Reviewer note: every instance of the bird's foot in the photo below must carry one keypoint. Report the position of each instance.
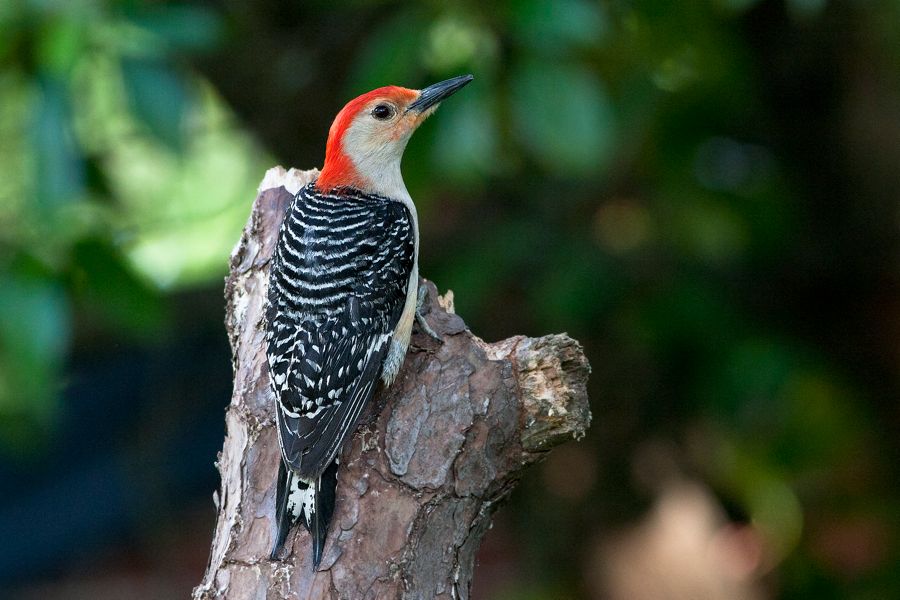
(424, 327)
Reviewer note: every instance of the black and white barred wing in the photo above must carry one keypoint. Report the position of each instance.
(330, 378)
(337, 292)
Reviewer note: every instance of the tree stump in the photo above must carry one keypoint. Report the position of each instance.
(432, 459)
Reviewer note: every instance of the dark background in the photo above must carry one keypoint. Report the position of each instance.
(705, 194)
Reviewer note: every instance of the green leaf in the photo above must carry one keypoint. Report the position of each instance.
(454, 43)
(58, 160)
(159, 97)
(559, 24)
(390, 54)
(35, 319)
(573, 298)
(183, 27)
(564, 117)
(59, 44)
(34, 336)
(465, 146)
(108, 289)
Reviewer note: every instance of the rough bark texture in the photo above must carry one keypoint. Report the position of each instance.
(419, 481)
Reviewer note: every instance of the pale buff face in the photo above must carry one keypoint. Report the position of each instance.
(376, 139)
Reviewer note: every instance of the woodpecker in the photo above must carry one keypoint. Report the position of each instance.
(343, 295)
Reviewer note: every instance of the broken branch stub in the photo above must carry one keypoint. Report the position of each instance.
(431, 460)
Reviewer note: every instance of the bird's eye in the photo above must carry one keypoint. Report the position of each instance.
(382, 112)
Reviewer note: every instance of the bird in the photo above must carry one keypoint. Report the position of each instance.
(343, 296)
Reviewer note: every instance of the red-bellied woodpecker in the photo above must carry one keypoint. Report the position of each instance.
(343, 295)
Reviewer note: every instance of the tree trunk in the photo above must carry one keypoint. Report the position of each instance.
(431, 461)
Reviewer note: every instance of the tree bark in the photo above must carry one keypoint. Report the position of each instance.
(432, 459)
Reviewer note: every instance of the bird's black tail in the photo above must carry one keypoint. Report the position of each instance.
(283, 516)
(309, 500)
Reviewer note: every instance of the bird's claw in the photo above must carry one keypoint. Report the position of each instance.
(424, 327)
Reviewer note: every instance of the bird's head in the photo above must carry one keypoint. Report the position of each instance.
(367, 139)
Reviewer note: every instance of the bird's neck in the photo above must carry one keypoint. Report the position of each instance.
(357, 160)
(386, 181)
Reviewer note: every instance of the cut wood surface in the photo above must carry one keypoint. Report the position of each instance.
(432, 459)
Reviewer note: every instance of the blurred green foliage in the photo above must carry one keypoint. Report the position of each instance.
(122, 175)
(666, 181)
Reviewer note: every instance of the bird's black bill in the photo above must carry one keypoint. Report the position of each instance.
(437, 92)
